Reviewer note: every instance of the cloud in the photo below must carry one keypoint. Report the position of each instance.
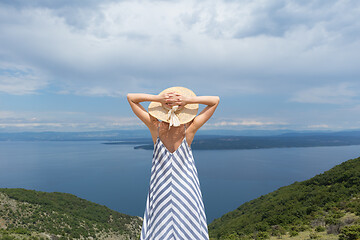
(317, 126)
(257, 52)
(61, 126)
(248, 122)
(334, 94)
(82, 121)
(20, 80)
(93, 48)
(63, 121)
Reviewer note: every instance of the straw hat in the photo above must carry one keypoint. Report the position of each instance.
(172, 115)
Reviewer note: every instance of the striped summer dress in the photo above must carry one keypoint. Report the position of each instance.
(174, 206)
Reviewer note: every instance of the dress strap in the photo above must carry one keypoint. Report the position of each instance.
(185, 129)
(158, 129)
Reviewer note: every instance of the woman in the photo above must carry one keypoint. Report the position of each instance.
(174, 206)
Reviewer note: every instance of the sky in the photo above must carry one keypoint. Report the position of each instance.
(68, 65)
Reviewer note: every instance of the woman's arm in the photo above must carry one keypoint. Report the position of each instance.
(211, 101)
(134, 100)
(207, 100)
(173, 98)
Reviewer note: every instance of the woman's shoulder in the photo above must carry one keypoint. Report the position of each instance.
(154, 121)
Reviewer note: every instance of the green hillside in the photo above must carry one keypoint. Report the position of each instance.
(326, 206)
(30, 214)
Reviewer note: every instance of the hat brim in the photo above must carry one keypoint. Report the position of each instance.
(185, 114)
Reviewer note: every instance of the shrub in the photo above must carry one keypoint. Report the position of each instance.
(293, 233)
(333, 229)
(320, 229)
(277, 230)
(262, 235)
(350, 232)
(314, 235)
(7, 237)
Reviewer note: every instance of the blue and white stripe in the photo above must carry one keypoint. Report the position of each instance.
(174, 206)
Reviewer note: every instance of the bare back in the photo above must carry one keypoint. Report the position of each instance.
(173, 137)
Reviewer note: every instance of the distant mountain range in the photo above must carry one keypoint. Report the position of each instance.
(118, 135)
(204, 140)
(257, 142)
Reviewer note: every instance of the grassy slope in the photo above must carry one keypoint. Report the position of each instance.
(62, 214)
(301, 206)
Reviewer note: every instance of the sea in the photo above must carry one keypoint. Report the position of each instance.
(118, 176)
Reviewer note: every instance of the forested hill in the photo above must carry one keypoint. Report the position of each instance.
(30, 214)
(326, 205)
(257, 142)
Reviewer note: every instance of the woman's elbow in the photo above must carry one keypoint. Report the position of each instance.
(129, 96)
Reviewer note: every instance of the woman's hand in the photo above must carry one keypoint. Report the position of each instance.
(172, 98)
(180, 100)
(167, 99)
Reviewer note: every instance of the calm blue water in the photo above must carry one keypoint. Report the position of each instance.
(118, 176)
